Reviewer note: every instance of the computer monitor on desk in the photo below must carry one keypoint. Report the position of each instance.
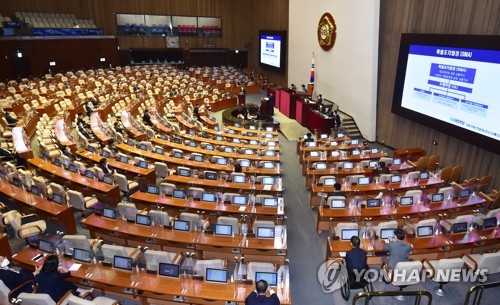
(168, 270)
(46, 246)
(395, 179)
(406, 201)
(181, 225)
(373, 203)
(337, 203)
(438, 197)
(208, 197)
(387, 233)
(239, 200)
(144, 220)
(177, 193)
(122, 263)
(459, 227)
(346, 234)
(270, 277)
(348, 165)
(265, 232)
(35, 190)
(82, 255)
(153, 189)
(464, 194)
(223, 230)
(329, 182)
(424, 231)
(270, 202)
(490, 222)
(58, 199)
(216, 275)
(109, 213)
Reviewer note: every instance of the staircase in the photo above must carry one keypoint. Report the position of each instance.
(349, 126)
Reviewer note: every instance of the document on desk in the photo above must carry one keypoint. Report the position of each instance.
(241, 209)
(75, 267)
(267, 187)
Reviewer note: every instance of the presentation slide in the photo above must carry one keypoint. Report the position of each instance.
(455, 85)
(270, 50)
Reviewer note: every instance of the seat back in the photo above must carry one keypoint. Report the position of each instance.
(4, 294)
(416, 194)
(195, 192)
(254, 267)
(76, 241)
(36, 299)
(122, 182)
(160, 218)
(456, 172)
(407, 273)
(154, 257)
(232, 221)
(447, 191)
(393, 224)
(127, 209)
(446, 174)
(444, 266)
(201, 266)
(109, 251)
(194, 219)
(167, 188)
(74, 300)
(161, 169)
(76, 200)
(489, 262)
(262, 224)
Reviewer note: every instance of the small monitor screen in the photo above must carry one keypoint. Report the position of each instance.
(239, 200)
(181, 225)
(395, 179)
(209, 147)
(219, 138)
(337, 203)
(107, 179)
(424, 231)
(340, 135)
(355, 141)
(106, 154)
(438, 197)
(245, 163)
(82, 255)
(251, 127)
(130, 142)
(323, 136)
(254, 142)
(177, 140)
(143, 164)
(270, 153)
(406, 201)
(176, 193)
(163, 136)
(269, 129)
(314, 154)
(221, 161)
(230, 131)
(373, 164)
(123, 159)
(191, 132)
(89, 174)
(153, 189)
(270, 202)
(198, 158)
(16, 181)
(268, 180)
(334, 143)
(396, 162)
(373, 203)
(216, 128)
(144, 220)
(363, 180)
(122, 262)
(268, 135)
(237, 125)
(228, 150)
(211, 175)
(143, 147)
(348, 233)
(193, 144)
(46, 246)
(490, 222)
(335, 153)
(208, 197)
(91, 148)
(311, 144)
(270, 277)
(72, 168)
(57, 162)
(159, 150)
(216, 275)
(386, 233)
(35, 190)
(459, 227)
(374, 151)
(424, 176)
(465, 193)
(248, 151)
(236, 140)
(109, 213)
(178, 155)
(348, 165)
(225, 230)
(185, 172)
(329, 182)
(263, 232)
(321, 166)
(268, 165)
(168, 270)
(239, 179)
(271, 144)
(356, 152)
(57, 198)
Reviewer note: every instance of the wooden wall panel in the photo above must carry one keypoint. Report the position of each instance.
(431, 16)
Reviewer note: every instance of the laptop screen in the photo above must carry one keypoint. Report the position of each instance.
(348, 165)
(424, 231)
(46, 246)
(264, 232)
(373, 203)
(143, 164)
(144, 220)
(270, 277)
(177, 193)
(335, 153)
(314, 154)
(216, 275)
(72, 168)
(320, 166)
(153, 189)
(57, 198)
(270, 153)
(123, 159)
(386, 233)
(459, 227)
(329, 182)
(424, 176)
(221, 161)
(438, 197)
(248, 151)
(225, 230)
(239, 179)
(465, 193)
(208, 197)
(168, 270)
(159, 150)
(82, 255)
(490, 222)
(211, 176)
(109, 213)
(181, 225)
(396, 162)
(337, 203)
(178, 155)
(395, 179)
(406, 201)
(373, 164)
(268, 180)
(364, 181)
(348, 233)
(374, 151)
(184, 172)
(239, 200)
(35, 190)
(354, 141)
(122, 262)
(270, 202)
(245, 163)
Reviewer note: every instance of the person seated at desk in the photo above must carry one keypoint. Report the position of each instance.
(84, 132)
(88, 109)
(196, 112)
(79, 119)
(94, 102)
(51, 279)
(259, 295)
(237, 168)
(356, 257)
(399, 251)
(293, 88)
(319, 100)
(304, 88)
(10, 120)
(381, 169)
(104, 165)
(308, 138)
(146, 118)
(13, 279)
(67, 152)
(337, 190)
(118, 128)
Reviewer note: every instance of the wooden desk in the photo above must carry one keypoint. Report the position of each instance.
(207, 245)
(433, 247)
(97, 128)
(174, 162)
(309, 161)
(104, 192)
(387, 212)
(150, 288)
(143, 175)
(411, 154)
(256, 131)
(174, 205)
(239, 136)
(5, 246)
(206, 152)
(322, 141)
(21, 143)
(305, 151)
(46, 209)
(63, 134)
(127, 123)
(374, 188)
(225, 185)
(156, 121)
(218, 143)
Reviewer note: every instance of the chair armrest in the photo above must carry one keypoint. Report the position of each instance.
(88, 294)
(457, 186)
(31, 282)
(30, 215)
(469, 262)
(22, 229)
(390, 270)
(411, 163)
(428, 268)
(177, 258)
(64, 298)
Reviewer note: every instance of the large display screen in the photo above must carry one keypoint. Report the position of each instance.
(450, 83)
(272, 49)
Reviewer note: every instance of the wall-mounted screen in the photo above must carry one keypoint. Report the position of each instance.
(272, 49)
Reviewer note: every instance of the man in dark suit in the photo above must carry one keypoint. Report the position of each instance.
(398, 250)
(13, 279)
(337, 119)
(356, 257)
(337, 190)
(308, 138)
(146, 118)
(319, 100)
(259, 297)
(88, 109)
(381, 169)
